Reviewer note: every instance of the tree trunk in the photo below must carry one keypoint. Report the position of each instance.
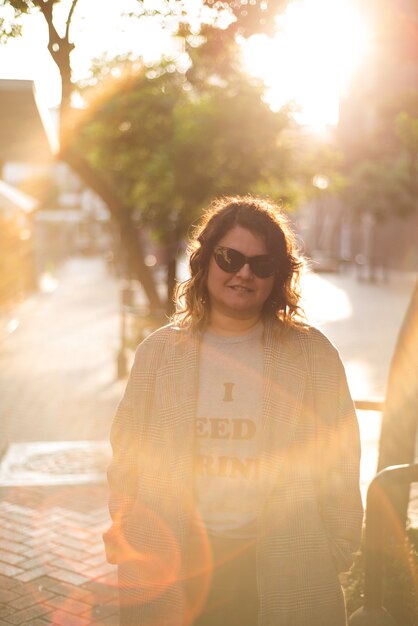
(400, 416)
(127, 229)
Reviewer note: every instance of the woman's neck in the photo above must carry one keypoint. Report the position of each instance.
(228, 326)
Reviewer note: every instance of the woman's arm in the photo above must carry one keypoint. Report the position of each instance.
(127, 437)
(340, 497)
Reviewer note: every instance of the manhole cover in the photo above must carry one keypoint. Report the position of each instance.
(55, 462)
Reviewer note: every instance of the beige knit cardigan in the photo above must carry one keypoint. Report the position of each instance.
(310, 522)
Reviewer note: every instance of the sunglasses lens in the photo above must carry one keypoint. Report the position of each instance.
(262, 266)
(230, 260)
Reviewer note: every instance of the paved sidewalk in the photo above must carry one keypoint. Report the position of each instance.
(52, 564)
(363, 320)
(58, 368)
(58, 386)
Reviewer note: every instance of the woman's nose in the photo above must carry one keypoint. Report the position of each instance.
(244, 271)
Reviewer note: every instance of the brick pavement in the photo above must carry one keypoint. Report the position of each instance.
(52, 563)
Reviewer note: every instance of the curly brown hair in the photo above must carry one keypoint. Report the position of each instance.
(261, 217)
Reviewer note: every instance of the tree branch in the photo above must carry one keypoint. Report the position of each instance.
(46, 10)
(59, 47)
(69, 18)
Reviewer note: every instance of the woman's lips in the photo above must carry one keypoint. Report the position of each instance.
(241, 288)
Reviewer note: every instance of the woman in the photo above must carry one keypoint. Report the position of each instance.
(234, 485)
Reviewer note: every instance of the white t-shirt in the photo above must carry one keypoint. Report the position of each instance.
(227, 432)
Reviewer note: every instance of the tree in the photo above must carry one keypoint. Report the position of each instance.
(60, 48)
(188, 140)
(243, 17)
(383, 180)
(382, 187)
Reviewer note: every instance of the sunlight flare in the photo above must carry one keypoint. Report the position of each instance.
(310, 61)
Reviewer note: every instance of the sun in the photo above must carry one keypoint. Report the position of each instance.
(317, 48)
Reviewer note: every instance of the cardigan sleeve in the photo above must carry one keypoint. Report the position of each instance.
(340, 498)
(128, 433)
(124, 438)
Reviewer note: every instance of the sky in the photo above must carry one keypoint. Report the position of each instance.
(318, 46)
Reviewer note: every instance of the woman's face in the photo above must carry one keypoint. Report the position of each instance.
(241, 294)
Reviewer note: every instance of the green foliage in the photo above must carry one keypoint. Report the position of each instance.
(10, 25)
(394, 116)
(8, 30)
(11, 12)
(247, 16)
(168, 142)
(323, 160)
(400, 590)
(406, 127)
(381, 187)
(384, 180)
(169, 145)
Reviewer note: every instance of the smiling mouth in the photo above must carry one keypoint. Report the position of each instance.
(241, 288)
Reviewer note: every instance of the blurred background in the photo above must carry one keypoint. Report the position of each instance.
(120, 121)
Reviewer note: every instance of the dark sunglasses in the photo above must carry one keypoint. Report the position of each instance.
(230, 260)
